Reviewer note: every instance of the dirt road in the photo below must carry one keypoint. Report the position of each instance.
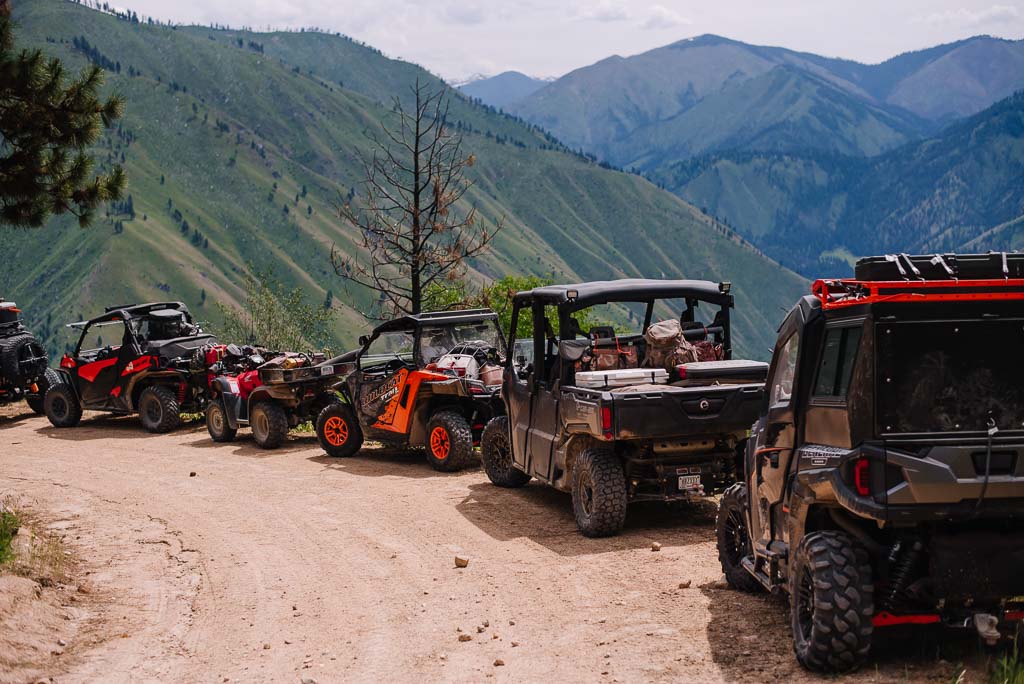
(283, 565)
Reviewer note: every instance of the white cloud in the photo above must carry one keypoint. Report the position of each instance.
(466, 13)
(605, 10)
(966, 17)
(661, 17)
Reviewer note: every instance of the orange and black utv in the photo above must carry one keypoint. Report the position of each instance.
(427, 380)
(155, 367)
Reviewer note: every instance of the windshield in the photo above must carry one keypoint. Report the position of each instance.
(436, 341)
(387, 347)
(950, 376)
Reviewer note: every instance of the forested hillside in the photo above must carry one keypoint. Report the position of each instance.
(239, 147)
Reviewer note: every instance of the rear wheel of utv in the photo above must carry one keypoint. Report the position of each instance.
(49, 379)
(61, 405)
(734, 539)
(449, 442)
(496, 454)
(159, 410)
(338, 431)
(269, 424)
(831, 602)
(599, 493)
(217, 422)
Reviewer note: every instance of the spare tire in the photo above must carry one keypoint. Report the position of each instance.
(22, 358)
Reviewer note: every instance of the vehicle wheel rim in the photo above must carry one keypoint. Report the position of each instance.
(587, 497)
(59, 407)
(217, 419)
(261, 426)
(502, 452)
(153, 411)
(440, 445)
(736, 538)
(805, 604)
(336, 431)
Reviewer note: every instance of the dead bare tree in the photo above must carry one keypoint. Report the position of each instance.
(413, 229)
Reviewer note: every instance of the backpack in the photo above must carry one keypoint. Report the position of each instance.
(666, 346)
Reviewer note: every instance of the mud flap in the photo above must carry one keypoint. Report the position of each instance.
(235, 409)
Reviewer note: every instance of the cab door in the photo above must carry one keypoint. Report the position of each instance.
(777, 438)
(98, 376)
(544, 398)
(517, 390)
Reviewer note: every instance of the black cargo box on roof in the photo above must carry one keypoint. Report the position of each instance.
(991, 266)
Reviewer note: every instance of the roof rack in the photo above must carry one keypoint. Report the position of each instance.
(837, 294)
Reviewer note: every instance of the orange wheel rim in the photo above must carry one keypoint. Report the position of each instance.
(336, 431)
(440, 445)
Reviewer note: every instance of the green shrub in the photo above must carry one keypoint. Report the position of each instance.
(9, 524)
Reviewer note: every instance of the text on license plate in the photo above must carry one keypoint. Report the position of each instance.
(689, 481)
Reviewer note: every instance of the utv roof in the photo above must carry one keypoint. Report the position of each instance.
(436, 318)
(627, 290)
(123, 313)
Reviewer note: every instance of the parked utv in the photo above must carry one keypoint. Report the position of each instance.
(657, 413)
(23, 363)
(269, 392)
(884, 481)
(156, 369)
(425, 380)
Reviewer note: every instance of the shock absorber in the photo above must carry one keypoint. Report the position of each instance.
(901, 563)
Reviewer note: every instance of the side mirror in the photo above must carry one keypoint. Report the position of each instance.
(363, 340)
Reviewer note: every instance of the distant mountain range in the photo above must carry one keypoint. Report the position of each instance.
(239, 146)
(501, 90)
(775, 142)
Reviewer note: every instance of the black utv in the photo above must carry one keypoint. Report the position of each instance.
(155, 367)
(645, 404)
(884, 481)
(23, 363)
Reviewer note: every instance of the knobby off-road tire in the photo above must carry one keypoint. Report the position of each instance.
(15, 352)
(49, 379)
(269, 424)
(496, 454)
(599, 493)
(734, 539)
(159, 410)
(338, 431)
(217, 422)
(61, 405)
(449, 442)
(831, 602)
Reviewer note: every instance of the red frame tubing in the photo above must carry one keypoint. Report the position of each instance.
(836, 294)
(886, 619)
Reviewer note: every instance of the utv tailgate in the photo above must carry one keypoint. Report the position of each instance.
(662, 412)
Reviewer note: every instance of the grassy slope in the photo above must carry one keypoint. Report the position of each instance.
(563, 215)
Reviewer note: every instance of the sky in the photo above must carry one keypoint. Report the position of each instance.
(460, 38)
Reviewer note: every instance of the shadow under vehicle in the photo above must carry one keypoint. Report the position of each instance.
(157, 370)
(656, 414)
(884, 481)
(23, 364)
(424, 380)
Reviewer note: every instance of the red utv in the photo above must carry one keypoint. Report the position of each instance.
(156, 369)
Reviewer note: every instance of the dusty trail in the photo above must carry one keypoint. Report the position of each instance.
(274, 566)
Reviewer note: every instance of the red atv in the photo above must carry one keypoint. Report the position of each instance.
(268, 391)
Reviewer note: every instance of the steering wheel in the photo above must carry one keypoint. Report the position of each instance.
(396, 364)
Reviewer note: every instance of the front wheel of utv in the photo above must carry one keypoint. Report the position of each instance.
(61, 405)
(159, 410)
(269, 424)
(449, 442)
(217, 422)
(831, 596)
(599, 493)
(734, 539)
(496, 454)
(338, 431)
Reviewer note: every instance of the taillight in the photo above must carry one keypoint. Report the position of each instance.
(606, 422)
(681, 369)
(862, 476)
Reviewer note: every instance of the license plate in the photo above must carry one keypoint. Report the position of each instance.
(689, 481)
(326, 370)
